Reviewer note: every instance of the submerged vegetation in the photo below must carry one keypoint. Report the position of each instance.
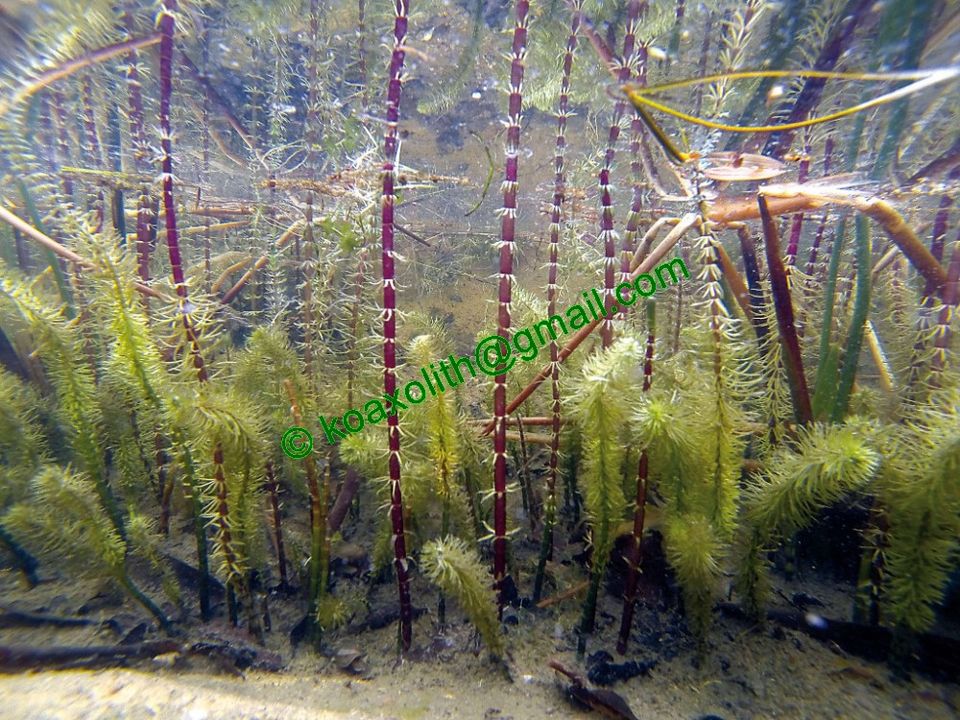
(214, 228)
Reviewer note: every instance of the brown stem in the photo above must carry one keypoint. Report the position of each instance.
(792, 360)
(272, 486)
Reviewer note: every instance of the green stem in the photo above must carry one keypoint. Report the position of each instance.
(826, 371)
(861, 309)
(921, 13)
(199, 525)
(147, 603)
(25, 561)
(546, 543)
(55, 268)
(601, 550)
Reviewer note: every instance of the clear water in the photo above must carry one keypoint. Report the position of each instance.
(197, 255)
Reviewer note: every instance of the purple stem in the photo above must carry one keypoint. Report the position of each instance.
(797, 223)
(167, 23)
(818, 238)
(508, 218)
(792, 360)
(830, 53)
(556, 217)
(390, 149)
(139, 142)
(624, 70)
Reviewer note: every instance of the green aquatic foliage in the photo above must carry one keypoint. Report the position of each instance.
(442, 433)
(60, 346)
(448, 91)
(694, 549)
(267, 361)
(601, 405)
(22, 444)
(827, 463)
(680, 472)
(63, 523)
(920, 489)
(458, 572)
(145, 544)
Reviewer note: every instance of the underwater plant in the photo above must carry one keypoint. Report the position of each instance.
(508, 218)
(388, 201)
(601, 405)
(458, 572)
(800, 158)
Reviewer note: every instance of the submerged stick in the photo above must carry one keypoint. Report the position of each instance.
(67, 254)
(25, 657)
(71, 66)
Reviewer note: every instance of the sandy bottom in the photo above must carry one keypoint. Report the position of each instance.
(748, 673)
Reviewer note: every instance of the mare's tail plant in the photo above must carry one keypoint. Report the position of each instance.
(64, 523)
(391, 149)
(457, 571)
(602, 403)
(827, 463)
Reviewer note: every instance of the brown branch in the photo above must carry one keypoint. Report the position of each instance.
(67, 254)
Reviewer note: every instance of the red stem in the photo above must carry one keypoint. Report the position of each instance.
(635, 551)
(390, 148)
(508, 220)
(556, 216)
(797, 223)
(624, 70)
(655, 256)
(167, 24)
(139, 141)
(272, 486)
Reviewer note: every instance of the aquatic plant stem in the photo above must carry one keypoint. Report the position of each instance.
(138, 140)
(508, 218)
(607, 235)
(24, 561)
(226, 545)
(272, 486)
(63, 138)
(950, 297)
(792, 360)
(43, 240)
(825, 386)
(388, 200)
(71, 66)
(553, 290)
(319, 544)
(861, 310)
(821, 228)
(166, 20)
(830, 52)
(656, 255)
(758, 302)
(167, 23)
(634, 554)
(921, 12)
(141, 597)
